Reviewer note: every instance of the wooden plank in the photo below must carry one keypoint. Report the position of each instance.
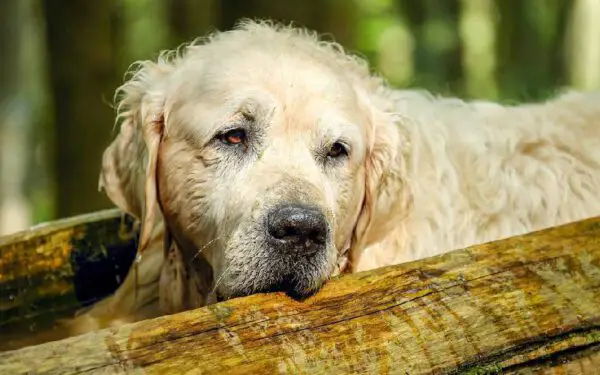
(528, 303)
(50, 270)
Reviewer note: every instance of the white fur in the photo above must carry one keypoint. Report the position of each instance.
(481, 171)
(439, 173)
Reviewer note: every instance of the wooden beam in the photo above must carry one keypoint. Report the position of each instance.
(528, 302)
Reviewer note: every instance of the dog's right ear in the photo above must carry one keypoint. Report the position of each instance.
(386, 191)
(129, 164)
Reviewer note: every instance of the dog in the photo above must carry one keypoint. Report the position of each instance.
(265, 159)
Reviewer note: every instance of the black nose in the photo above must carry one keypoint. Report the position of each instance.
(298, 228)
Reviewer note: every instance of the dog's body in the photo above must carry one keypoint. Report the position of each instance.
(373, 175)
(480, 172)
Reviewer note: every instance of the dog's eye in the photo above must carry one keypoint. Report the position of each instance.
(337, 150)
(233, 137)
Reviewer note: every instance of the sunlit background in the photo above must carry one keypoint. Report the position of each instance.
(62, 59)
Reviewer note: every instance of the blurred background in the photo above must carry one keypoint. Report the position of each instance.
(61, 61)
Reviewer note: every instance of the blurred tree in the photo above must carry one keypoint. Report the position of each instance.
(583, 45)
(437, 54)
(385, 37)
(337, 18)
(190, 19)
(152, 26)
(82, 38)
(145, 30)
(478, 35)
(303, 12)
(530, 46)
(24, 186)
(14, 149)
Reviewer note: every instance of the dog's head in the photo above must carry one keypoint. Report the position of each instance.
(263, 149)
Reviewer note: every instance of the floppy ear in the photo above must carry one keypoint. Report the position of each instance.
(128, 177)
(129, 164)
(385, 190)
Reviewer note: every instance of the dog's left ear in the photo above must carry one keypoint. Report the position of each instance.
(128, 176)
(384, 186)
(152, 132)
(129, 164)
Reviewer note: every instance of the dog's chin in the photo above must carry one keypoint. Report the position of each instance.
(265, 269)
(298, 287)
(292, 290)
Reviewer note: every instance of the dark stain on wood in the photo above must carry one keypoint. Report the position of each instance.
(50, 271)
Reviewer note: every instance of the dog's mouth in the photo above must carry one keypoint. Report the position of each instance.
(293, 254)
(291, 289)
(297, 277)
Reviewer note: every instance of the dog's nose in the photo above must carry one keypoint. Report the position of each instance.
(298, 228)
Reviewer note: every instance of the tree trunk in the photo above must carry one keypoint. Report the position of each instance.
(24, 182)
(190, 19)
(437, 48)
(529, 49)
(14, 208)
(337, 18)
(305, 13)
(478, 36)
(145, 30)
(583, 45)
(82, 38)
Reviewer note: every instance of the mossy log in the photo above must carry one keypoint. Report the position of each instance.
(527, 304)
(51, 270)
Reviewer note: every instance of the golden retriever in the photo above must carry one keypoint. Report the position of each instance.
(264, 159)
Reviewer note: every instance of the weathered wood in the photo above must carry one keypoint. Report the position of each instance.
(525, 303)
(49, 271)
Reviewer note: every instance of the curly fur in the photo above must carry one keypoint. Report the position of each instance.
(429, 174)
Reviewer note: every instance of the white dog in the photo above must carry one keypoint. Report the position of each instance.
(263, 159)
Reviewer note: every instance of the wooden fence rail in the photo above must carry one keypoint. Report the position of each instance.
(525, 304)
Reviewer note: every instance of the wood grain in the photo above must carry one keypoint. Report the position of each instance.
(528, 304)
(49, 271)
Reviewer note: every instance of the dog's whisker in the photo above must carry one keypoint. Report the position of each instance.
(205, 246)
(220, 279)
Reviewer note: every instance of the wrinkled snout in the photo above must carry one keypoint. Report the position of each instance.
(284, 243)
(294, 255)
(297, 229)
